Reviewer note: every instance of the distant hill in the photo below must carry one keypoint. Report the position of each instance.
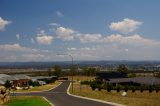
(66, 64)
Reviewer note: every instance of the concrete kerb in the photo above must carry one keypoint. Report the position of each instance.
(97, 100)
(48, 101)
(39, 91)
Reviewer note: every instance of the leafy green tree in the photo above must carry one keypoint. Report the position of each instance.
(7, 84)
(57, 71)
(93, 85)
(122, 69)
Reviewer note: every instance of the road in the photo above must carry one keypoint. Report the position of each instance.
(59, 97)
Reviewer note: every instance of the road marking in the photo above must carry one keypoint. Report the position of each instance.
(97, 100)
(48, 101)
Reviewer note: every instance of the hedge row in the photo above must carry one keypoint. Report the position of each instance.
(107, 86)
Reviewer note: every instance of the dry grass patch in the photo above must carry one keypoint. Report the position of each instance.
(132, 99)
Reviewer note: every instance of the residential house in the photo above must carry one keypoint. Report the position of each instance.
(118, 78)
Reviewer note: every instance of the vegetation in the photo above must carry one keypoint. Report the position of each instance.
(122, 69)
(138, 99)
(33, 83)
(131, 75)
(50, 72)
(57, 71)
(27, 101)
(89, 71)
(7, 84)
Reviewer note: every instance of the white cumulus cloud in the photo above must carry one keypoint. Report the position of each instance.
(3, 23)
(43, 38)
(88, 38)
(125, 26)
(66, 34)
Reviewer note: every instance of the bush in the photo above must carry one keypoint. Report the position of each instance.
(7, 84)
(33, 83)
(99, 86)
(157, 88)
(93, 85)
(118, 88)
(86, 82)
(133, 88)
(126, 88)
(141, 89)
(150, 89)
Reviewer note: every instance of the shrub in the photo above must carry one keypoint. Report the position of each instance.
(157, 88)
(150, 89)
(93, 85)
(99, 87)
(86, 82)
(7, 84)
(118, 88)
(141, 89)
(133, 88)
(126, 88)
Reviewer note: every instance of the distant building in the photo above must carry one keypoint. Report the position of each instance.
(16, 80)
(23, 80)
(118, 78)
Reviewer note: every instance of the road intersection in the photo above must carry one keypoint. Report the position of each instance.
(59, 97)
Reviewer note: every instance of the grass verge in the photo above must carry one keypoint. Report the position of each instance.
(132, 99)
(27, 101)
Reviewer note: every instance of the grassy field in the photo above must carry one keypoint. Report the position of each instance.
(132, 99)
(27, 101)
(40, 88)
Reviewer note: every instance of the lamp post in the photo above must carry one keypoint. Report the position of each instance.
(71, 67)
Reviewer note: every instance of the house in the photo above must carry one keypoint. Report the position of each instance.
(21, 80)
(16, 80)
(4, 78)
(105, 76)
(117, 78)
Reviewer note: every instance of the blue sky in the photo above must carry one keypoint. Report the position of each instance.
(36, 30)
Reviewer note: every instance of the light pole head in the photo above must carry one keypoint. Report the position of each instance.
(59, 54)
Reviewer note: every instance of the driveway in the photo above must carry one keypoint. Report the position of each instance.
(59, 97)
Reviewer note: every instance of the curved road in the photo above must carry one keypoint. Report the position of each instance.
(59, 97)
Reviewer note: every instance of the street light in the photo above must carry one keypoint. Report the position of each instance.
(71, 67)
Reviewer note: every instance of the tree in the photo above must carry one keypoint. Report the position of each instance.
(49, 72)
(93, 85)
(89, 71)
(7, 84)
(122, 69)
(73, 69)
(57, 71)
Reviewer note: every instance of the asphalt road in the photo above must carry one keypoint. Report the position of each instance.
(59, 97)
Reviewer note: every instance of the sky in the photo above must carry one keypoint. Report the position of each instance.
(38, 30)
